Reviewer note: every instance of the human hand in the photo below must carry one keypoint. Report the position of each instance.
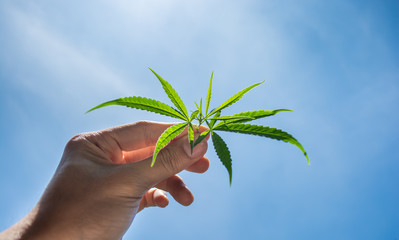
(105, 178)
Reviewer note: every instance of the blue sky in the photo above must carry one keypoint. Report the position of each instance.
(336, 63)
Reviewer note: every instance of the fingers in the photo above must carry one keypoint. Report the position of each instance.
(157, 196)
(154, 197)
(199, 166)
(179, 191)
(137, 135)
(171, 160)
(138, 155)
(131, 142)
(141, 134)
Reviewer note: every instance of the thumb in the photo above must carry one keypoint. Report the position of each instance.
(172, 159)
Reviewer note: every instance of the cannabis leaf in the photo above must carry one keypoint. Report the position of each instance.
(172, 94)
(201, 137)
(251, 115)
(208, 96)
(213, 120)
(166, 137)
(144, 104)
(235, 98)
(262, 131)
(223, 153)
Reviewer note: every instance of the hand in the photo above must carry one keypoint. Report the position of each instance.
(104, 178)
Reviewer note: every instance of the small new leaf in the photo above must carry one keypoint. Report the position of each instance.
(194, 115)
(201, 105)
(166, 137)
(201, 137)
(208, 96)
(213, 121)
(235, 97)
(191, 136)
(223, 153)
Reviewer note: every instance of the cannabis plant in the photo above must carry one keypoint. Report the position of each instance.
(204, 115)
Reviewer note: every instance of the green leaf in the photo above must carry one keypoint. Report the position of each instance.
(201, 137)
(223, 153)
(252, 115)
(194, 115)
(168, 135)
(143, 103)
(213, 121)
(172, 94)
(199, 109)
(235, 97)
(262, 131)
(191, 136)
(224, 118)
(201, 105)
(208, 96)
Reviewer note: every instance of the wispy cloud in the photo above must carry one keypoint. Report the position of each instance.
(332, 62)
(64, 68)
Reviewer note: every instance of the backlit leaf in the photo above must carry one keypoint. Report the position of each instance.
(252, 115)
(223, 153)
(262, 131)
(168, 135)
(213, 121)
(211, 117)
(191, 136)
(143, 103)
(232, 118)
(208, 96)
(194, 115)
(172, 94)
(201, 137)
(235, 98)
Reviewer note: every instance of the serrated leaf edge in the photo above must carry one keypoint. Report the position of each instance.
(236, 97)
(262, 131)
(168, 135)
(172, 94)
(223, 153)
(143, 103)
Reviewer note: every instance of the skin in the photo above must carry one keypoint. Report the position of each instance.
(104, 179)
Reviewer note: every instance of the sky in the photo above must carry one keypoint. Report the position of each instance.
(335, 63)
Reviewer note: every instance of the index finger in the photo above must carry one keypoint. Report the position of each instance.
(137, 135)
(141, 134)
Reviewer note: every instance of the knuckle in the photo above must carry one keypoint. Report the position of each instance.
(76, 140)
(145, 126)
(142, 123)
(170, 160)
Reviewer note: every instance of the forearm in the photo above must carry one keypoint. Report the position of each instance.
(51, 225)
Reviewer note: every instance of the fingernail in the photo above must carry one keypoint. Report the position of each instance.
(163, 192)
